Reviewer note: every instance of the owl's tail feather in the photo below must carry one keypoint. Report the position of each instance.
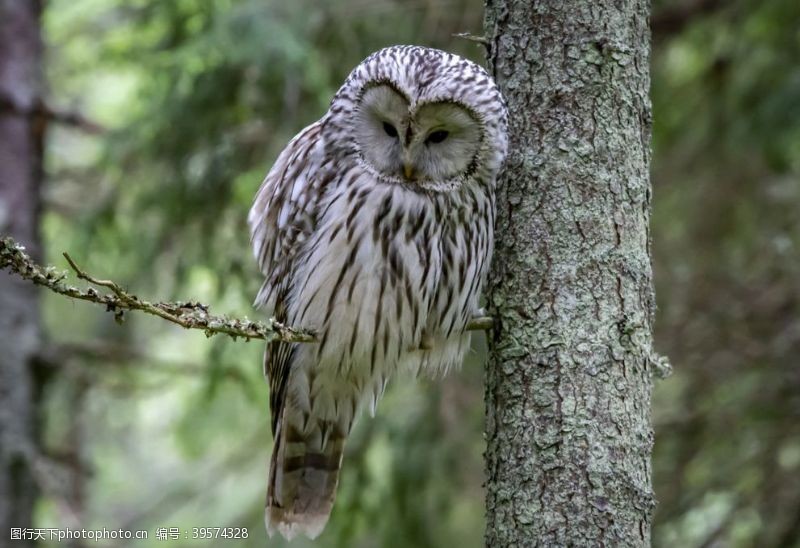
(304, 471)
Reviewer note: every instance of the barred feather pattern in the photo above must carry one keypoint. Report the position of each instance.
(386, 272)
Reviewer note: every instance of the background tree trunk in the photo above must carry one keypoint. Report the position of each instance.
(569, 376)
(20, 174)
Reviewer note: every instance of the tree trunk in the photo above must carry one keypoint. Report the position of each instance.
(20, 175)
(569, 376)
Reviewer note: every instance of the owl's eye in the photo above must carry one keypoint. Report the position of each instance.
(389, 129)
(438, 136)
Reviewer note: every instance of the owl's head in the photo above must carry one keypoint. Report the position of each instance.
(424, 118)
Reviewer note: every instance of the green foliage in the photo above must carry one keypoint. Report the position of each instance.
(198, 97)
(162, 428)
(726, 95)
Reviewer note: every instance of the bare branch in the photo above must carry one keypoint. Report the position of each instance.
(69, 118)
(189, 314)
(46, 112)
(472, 38)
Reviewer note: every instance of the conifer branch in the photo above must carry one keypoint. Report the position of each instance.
(187, 314)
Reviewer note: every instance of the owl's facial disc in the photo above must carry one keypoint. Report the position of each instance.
(381, 122)
(429, 146)
(446, 141)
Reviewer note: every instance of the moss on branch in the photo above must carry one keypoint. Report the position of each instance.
(187, 314)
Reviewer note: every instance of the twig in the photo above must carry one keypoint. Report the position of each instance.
(480, 323)
(472, 38)
(70, 118)
(189, 314)
(47, 112)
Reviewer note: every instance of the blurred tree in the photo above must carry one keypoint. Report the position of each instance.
(568, 381)
(199, 95)
(726, 172)
(21, 138)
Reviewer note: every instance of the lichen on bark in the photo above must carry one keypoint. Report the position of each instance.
(569, 377)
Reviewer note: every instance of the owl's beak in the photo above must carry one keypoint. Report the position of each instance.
(408, 165)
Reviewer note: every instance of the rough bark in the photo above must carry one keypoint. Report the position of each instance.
(20, 174)
(569, 376)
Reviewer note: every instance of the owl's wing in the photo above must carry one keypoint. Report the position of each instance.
(284, 213)
(283, 216)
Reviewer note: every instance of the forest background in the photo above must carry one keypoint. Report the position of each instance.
(184, 105)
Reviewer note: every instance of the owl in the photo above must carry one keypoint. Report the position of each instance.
(373, 229)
